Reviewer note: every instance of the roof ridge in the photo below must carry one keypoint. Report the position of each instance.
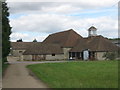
(62, 31)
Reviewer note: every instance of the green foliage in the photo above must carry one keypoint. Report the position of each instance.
(20, 40)
(34, 40)
(110, 55)
(91, 74)
(6, 31)
(114, 38)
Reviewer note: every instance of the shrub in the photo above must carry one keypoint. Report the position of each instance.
(110, 55)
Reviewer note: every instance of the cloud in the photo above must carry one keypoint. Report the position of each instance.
(38, 23)
(50, 23)
(26, 37)
(50, 17)
(16, 36)
(59, 7)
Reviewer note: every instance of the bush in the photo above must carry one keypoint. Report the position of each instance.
(110, 55)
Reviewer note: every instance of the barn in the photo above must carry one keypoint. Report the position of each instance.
(65, 45)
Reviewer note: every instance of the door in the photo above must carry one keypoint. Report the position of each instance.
(85, 55)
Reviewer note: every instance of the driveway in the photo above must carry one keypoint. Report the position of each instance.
(18, 76)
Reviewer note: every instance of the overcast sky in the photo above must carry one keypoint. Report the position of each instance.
(30, 20)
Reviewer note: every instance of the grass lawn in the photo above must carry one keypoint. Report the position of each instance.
(83, 74)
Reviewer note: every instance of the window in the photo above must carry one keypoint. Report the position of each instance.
(53, 54)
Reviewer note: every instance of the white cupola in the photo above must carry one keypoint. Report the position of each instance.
(92, 31)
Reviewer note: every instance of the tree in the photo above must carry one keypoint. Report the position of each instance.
(114, 38)
(34, 40)
(6, 31)
(20, 40)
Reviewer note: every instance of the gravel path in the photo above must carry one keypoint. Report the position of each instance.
(18, 76)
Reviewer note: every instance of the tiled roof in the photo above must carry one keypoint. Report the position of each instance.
(21, 45)
(95, 43)
(65, 39)
(40, 48)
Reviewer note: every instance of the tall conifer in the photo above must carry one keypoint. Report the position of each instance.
(6, 31)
